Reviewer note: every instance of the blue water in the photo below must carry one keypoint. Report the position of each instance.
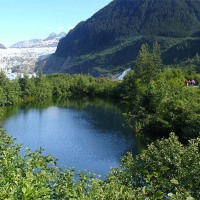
(89, 136)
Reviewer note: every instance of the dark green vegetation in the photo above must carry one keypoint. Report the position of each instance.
(159, 103)
(9, 91)
(109, 41)
(54, 86)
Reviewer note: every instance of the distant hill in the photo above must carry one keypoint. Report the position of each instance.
(2, 46)
(51, 41)
(109, 41)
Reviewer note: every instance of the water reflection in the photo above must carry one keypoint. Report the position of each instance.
(83, 134)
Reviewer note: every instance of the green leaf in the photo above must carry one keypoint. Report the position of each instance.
(144, 189)
(174, 181)
(165, 168)
(159, 195)
(24, 190)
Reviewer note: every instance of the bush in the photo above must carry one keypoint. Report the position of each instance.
(165, 169)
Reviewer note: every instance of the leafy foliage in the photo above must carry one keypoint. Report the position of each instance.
(9, 91)
(165, 166)
(160, 101)
(163, 170)
(54, 86)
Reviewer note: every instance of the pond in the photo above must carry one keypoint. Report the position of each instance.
(81, 134)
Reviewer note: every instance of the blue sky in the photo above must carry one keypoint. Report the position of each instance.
(36, 19)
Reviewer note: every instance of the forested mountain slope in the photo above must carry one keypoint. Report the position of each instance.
(109, 41)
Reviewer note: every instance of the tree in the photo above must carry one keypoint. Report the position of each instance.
(43, 88)
(27, 87)
(148, 64)
(12, 92)
(3, 79)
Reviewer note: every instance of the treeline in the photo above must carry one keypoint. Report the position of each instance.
(54, 86)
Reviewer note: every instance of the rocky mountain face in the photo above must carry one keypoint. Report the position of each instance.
(51, 41)
(109, 41)
(23, 57)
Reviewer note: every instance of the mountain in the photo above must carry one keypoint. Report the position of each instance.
(51, 41)
(23, 60)
(2, 46)
(109, 41)
(54, 36)
(25, 56)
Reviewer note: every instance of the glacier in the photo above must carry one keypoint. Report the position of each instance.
(15, 61)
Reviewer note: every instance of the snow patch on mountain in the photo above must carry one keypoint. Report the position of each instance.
(51, 41)
(25, 56)
(2, 46)
(23, 60)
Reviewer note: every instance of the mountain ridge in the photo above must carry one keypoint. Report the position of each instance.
(2, 46)
(95, 45)
(25, 60)
(51, 41)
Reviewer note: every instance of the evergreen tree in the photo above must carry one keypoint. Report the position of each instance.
(148, 64)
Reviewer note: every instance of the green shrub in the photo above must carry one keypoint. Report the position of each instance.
(165, 169)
